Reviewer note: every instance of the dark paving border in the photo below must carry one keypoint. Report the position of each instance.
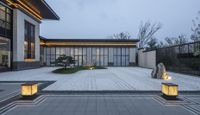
(185, 104)
(43, 85)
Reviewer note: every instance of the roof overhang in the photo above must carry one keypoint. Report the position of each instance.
(89, 42)
(37, 8)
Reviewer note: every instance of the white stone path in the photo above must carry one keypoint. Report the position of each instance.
(113, 78)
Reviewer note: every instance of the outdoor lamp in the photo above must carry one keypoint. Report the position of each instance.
(170, 90)
(91, 68)
(29, 89)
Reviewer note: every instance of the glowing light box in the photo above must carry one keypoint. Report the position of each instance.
(29, 89)
(170, 89)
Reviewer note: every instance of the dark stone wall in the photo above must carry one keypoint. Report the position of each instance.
(25, 65)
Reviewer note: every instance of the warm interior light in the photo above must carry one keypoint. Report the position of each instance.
(89, 44)
(29, 60)
(29, 89)
(25, 8)
(28, 8)
(170, 89)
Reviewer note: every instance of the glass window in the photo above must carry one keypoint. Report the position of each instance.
(2, 8)
(67, 51)
(105, 51)
(62, 51)
(57, 51)
(4, 53)
(29, 43)
(7, 26)
(2, 15)
(80, 51)
(8, 17)
(123, 61)
(127, 51)
(84, 51)
(48, 60)
(123, 51)
(53, 51)
(127, 60)
(80, 61)
(76, 51)
(121, 56)
(101, 51)
(8, 11)
(84, 56)
(48, 51)
(45, 54)
(94, 51)
(5, 22)
(72, 52)
(105, 60)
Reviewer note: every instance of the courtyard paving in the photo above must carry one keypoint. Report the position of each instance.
(103, 105)
(111, 79)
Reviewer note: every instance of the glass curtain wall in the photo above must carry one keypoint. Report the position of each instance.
(88, 55)
(5, 37)
(100, 56)
(121, 56)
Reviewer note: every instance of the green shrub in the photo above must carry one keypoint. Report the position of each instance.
(75, 69)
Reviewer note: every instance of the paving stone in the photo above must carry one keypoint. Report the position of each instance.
(118, 105)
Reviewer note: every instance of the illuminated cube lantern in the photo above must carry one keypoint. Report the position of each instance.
(170, 90)
(29, 89)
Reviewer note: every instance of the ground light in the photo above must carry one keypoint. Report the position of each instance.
(91, 68)
(166, 76)
(29, 89)
(169, 90)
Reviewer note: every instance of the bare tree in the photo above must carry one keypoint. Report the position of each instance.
(160, 44)
(169, 41)
(196, 28)
(152, 44)
(182, 39)
(146, 32)
(176, 41)
(122, 35)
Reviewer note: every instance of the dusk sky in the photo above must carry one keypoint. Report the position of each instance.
(102, 18)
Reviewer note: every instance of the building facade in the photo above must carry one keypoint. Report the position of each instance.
(101, 52)
(19, 32)
(22, 48)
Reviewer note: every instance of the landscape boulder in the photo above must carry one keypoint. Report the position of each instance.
(159, 72)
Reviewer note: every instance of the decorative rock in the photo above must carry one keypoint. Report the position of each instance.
(153, 73)
(159, 72)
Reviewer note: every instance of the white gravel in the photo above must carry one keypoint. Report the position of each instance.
(113, 78)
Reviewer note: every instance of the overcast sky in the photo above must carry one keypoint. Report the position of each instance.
(102, 18)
